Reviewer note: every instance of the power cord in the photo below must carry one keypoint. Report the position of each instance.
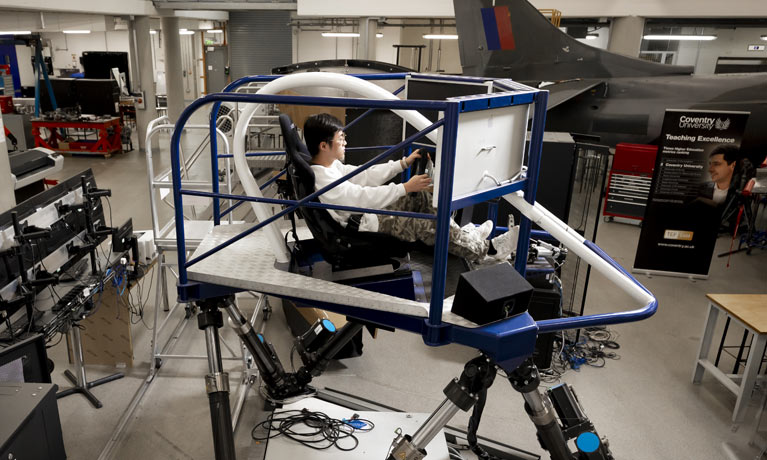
(315, 430)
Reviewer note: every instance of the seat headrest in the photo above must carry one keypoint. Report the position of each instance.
(298, 155)
(294, 145)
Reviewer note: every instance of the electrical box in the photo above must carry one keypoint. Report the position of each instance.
(139, 100)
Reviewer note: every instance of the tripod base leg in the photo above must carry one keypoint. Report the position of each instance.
(84, 390)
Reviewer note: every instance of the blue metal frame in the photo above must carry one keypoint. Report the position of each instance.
(507, 341)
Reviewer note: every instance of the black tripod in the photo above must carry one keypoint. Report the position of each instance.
(80, 383)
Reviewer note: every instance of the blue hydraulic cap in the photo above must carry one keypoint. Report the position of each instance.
(327, 324)
(587, 442)
(260, 337)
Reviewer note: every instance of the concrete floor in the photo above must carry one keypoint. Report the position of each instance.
(644, 403)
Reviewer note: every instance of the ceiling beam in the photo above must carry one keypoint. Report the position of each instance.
(227, 6)
(107, 7)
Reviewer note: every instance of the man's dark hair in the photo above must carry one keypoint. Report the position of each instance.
(730, 153)
(320, 128)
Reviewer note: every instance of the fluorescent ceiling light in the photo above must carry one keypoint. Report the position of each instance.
(215, 31)
(592, 36)
(440, 37)
(185, 32)
(76, 31)
(27, 32)
(153, 32)
(380, 35)
(764, 37)
(680, 37)
(341, 34)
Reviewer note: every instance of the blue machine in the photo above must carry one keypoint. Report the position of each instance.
(505, 344)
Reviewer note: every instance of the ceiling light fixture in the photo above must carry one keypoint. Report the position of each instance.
(185, 32)
(380, 35)
(681, 37)
(76, 31)
(764, 37)
(15, 32)
(215, 31)
(153, 32)
(592, 36)
(341, 34)
(440, 37)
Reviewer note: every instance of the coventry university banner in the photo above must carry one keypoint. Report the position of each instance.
(697, 154)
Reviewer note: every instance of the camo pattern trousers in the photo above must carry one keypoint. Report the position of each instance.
(462, 244)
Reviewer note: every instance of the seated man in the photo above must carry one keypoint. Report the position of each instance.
(326, 142)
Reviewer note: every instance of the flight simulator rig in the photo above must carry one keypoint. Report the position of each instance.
(482, 136)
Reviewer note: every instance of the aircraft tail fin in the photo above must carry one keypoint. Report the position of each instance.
(510, 38)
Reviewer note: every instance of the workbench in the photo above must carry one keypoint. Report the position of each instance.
(750, 311)
(107, 130)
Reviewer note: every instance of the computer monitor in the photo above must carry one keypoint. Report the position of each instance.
(25, 361)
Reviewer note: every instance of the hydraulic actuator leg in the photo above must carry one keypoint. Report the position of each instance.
(217, 381)
(560, 403)
(461, 393)
(281, 384)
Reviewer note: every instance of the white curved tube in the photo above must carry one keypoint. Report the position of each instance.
(303, 80)
(574, 241)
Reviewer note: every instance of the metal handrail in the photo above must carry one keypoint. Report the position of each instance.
(163, 124)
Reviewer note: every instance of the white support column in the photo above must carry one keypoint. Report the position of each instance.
(366, 45)
(626, 35)
(7, 197)
(132, 55)
(143, 79)
(174, 80)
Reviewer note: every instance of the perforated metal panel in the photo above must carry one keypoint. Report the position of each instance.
(260, 40)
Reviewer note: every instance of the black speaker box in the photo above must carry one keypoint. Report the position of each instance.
(490, 294)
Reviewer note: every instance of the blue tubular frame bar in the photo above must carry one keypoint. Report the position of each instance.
(311, 204)
(439, 270)
(531, 182)
(177, 192)
(369, 111)
(603, 319)
(213, 119)
(266, 184)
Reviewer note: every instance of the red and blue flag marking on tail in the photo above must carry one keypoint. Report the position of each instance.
(497, 23)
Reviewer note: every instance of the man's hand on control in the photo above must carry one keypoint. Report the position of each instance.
(413, 157)
(417, 183)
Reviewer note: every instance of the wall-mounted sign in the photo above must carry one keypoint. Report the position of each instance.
(756, 47)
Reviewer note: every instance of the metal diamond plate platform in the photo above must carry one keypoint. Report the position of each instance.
(249, 264)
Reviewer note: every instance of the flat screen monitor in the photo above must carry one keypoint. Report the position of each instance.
(94, 96)
(25, 361)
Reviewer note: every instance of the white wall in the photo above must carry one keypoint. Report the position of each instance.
(731, 42)
(66, 49)
(449, 57)
(310, 45)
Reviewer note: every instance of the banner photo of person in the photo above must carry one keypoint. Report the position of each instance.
(697, 174)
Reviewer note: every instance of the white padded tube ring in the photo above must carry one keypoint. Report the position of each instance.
(303, 80)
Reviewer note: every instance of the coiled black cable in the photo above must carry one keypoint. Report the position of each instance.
(313, 429)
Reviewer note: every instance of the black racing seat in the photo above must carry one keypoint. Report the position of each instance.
(339, 246)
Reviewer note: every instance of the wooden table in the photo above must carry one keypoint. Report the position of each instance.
(750, 311)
